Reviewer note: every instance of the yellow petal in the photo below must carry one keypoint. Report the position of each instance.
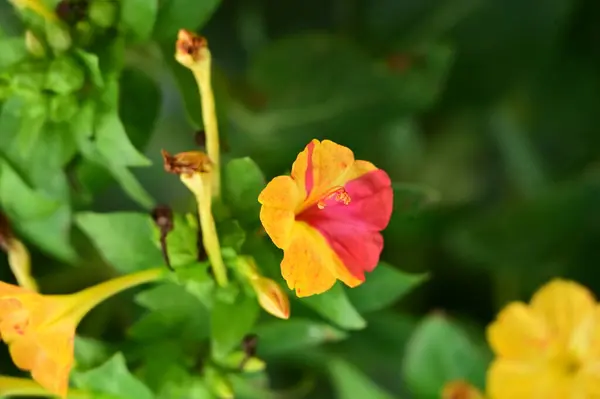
(588, 380)
(514, 380)
(564, 306)
(518, 333)
(279, 199)
(306, 264)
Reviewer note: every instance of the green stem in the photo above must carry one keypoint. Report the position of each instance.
(200, 185)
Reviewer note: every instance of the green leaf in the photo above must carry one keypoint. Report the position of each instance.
(439, 352)
(335, 306)
(350, 383)
(62, 107)
(13, 51)
(64, 76)
(41, 218)
(182, 241)
(242, 183)
(139, 126)
(34, 118)
(278, 337)
(173, 311)
(182, 14)
(123, 238)
(231, 234)
(197, 281)
(139, 17)
(111, 138)
(92, 64)
(384, 286)
(230, 322)
(82, 128)
(90, 353)
(114, 378)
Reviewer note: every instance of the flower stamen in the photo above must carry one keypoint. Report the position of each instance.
(338, 194)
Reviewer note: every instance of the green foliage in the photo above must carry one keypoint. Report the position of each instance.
(114, 379)
(482, 114)
(440, 352)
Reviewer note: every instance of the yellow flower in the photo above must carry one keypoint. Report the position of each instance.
(549, 349)
(40, 329)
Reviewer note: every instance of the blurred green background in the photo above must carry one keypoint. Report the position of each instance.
(487, 110)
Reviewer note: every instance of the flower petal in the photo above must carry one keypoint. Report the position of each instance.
(310, 266)
(279, 199)
(589, 380)
(48, 354)
(352, 230)
(519, 334)
(564, 306)
(320, 167)
(512, 380)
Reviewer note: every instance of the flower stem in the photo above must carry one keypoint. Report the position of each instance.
(200, 185)
(202, 75)
(90, 297)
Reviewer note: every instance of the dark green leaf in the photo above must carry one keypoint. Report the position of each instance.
(439, 352)
(384, 286)
(139, 116)
(350, 383)
(111, 138)
(242, 183)
(182, 14)
(335, 306)
(114, 378)
(123, 238)
(90, 353)
(138, 17)
(230, 322)
(278, 337)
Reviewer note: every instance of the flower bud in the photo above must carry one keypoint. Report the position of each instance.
(34, 45)
(460, 390)
(190, 48)
(271, 297)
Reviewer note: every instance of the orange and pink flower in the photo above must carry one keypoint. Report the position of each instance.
(327, 217)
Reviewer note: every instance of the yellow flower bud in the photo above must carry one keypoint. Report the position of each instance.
(271, 297)
(460, 390)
